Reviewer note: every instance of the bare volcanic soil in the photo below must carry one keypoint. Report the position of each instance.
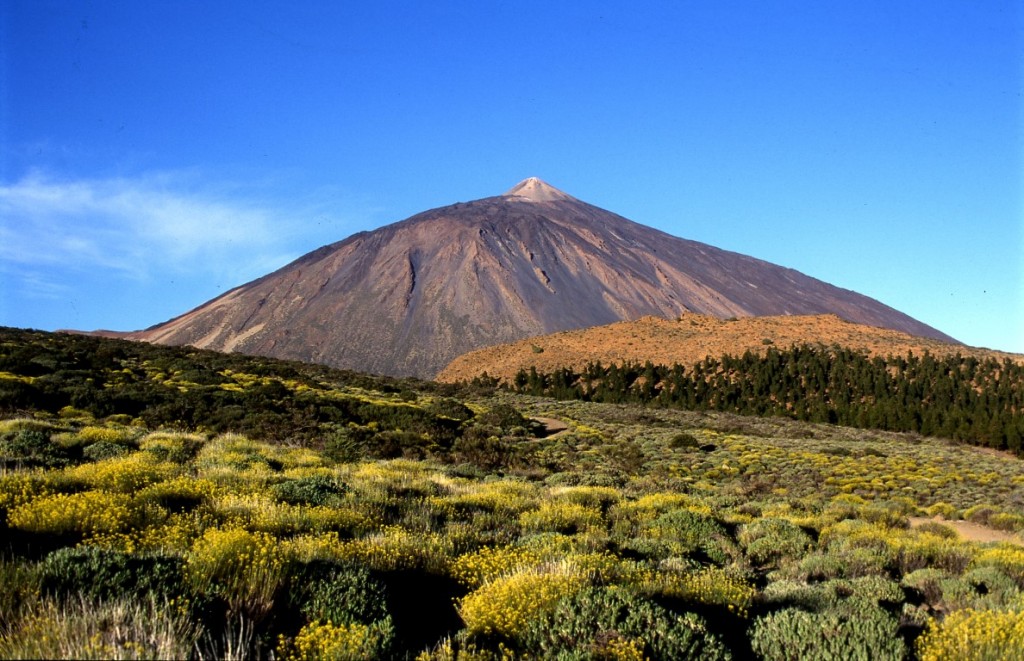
(408, 298)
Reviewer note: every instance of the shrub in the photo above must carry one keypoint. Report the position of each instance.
(610, 623)
(770, 540)
(595, 497)
(974, 635)
(315, 490)
(89, 512)
(20, 581)
(395, 548)
(338, 594)
(243, 568)
(846, 596)
(104, 574)
(449, 408)
(505, 605)
(1007, 558)
(344, 446)
(561, 517)
(710, 586)
(503, 417)
(91, 434)
(683, 532)
(123, 474)
(179, 494)
(104, 450)
(177, 447)
(32, 447)
(938, 529)
(338, 642)
(489, 563)
(684, 440)
(795, 634)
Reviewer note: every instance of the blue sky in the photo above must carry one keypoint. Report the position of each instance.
(155, 154)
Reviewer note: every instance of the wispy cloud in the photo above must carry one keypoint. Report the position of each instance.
(136, 226)
(127, 252)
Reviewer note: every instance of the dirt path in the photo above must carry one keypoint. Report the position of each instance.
(971, 531)
(552, 426)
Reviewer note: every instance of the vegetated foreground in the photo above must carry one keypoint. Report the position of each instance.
(372, 518)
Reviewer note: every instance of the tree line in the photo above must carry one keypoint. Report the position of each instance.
(975, 400)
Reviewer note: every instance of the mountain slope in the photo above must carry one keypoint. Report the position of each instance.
(409, 297)
(688, 340)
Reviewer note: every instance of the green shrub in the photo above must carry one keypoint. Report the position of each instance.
(99, 573)
(796, 634)
(844, 596)
(938, 529)
(684, 440)
(449, 408)
(32, 447)
(607, 623)
(345, 445)
(769, 540)
(104, 450)
(981, 588)
(176, 447)
(682, 532)
(504, 417)
(315, 490)
(337, 593)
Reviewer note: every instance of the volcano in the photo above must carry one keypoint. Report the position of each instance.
(406, 299)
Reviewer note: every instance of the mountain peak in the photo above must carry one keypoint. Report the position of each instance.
(536, 190)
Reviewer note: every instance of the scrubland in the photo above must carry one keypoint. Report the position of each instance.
(634, 533)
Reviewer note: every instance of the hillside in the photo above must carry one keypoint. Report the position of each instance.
(162, 502)
(688, 340)
(409, 297)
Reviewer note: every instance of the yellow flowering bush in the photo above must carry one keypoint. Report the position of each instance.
(88, 512)
(397, 548)
(123, 474)
(19, 488)
(588, 496)
(173, 535)
(262, 512)
(476, 568)
(563, 517)
(245, 568)
(178, 447)
(94, 434)
(307, 548)
(711, 586)
(505, 605)
(503, 496)
(335, 642)
(970, 635)
(179, 493)
(1007, 558)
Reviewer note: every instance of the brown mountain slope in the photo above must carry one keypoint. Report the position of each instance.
(409, 297)
(689, 340)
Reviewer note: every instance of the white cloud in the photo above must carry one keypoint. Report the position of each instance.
(125, 253)
(133, 226)
(140, 228)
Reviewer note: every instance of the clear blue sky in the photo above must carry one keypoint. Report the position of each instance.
(155, 154)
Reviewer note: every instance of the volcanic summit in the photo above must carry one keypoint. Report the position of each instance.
(409, 297)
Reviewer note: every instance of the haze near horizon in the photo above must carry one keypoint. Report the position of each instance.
(154, 156)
